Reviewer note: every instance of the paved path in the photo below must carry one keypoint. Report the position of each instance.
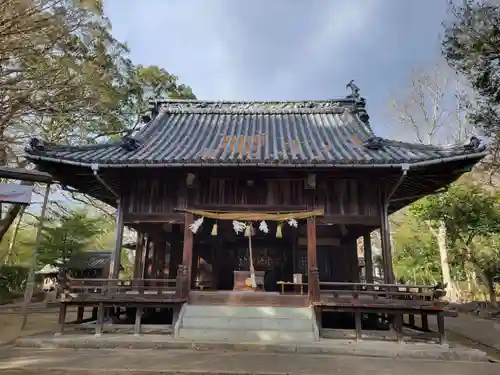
(483, 331)
(96, 362)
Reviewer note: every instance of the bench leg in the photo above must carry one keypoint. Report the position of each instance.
(79, 314)
(442, 333)
(425, 322)
(94, 313)
(411, 320)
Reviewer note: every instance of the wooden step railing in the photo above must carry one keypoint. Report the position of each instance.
(387, 291)
(107, 287)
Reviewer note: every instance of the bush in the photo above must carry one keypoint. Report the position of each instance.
(12, 281)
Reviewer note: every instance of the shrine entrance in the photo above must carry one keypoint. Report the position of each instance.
(272, 261)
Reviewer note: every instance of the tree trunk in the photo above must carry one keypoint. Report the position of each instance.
(445, 266)
(470, 272)
(441, 235)
(487, 277)
(8, 219)
(12, 242)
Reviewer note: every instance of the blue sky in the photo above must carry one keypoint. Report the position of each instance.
(284, 49)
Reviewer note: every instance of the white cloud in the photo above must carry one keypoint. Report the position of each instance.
(283, 49)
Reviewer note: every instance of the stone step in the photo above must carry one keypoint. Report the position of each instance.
(249, 312)
(258, 323)
(259, 336)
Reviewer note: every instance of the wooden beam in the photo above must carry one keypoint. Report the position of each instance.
(336, 219)
(178, 217)
(385, 240)
(249, 207)
(136, 218)
(114, 268)
(22, 174)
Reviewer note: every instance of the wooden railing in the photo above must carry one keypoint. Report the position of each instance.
(72, 287)
(387, 291)
(375, 291)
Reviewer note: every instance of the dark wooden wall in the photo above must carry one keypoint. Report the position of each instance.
(162, 193)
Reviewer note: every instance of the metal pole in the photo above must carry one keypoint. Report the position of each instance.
(28, 293)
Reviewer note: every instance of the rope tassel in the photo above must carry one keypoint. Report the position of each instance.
(279, 231)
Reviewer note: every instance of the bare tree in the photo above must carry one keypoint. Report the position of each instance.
(433, 108)
(433, 111)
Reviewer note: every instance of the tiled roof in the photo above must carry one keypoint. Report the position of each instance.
(334, 132)
(89, 260)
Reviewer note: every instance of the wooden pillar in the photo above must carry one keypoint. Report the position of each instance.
(144, 259)
(367, 245)
(313, 278)
(187, 251)
(139, 248)
(385, 239)
(114, 268)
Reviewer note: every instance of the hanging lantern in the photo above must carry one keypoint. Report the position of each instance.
(214, 230)
(279, 231)
(248, 230)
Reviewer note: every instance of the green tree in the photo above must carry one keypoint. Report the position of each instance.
(67, 235)
(472, 218)
(416, 254)
(62, 76)
(471, 45)
(66, 79)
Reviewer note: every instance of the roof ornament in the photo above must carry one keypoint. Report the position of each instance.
(130, 143)
(473, 144)
(374, 143)
(155, 106)
(37, 144)
(354, 90)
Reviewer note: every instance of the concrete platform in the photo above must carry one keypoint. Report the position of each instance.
(363, 348)
(14, 361)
